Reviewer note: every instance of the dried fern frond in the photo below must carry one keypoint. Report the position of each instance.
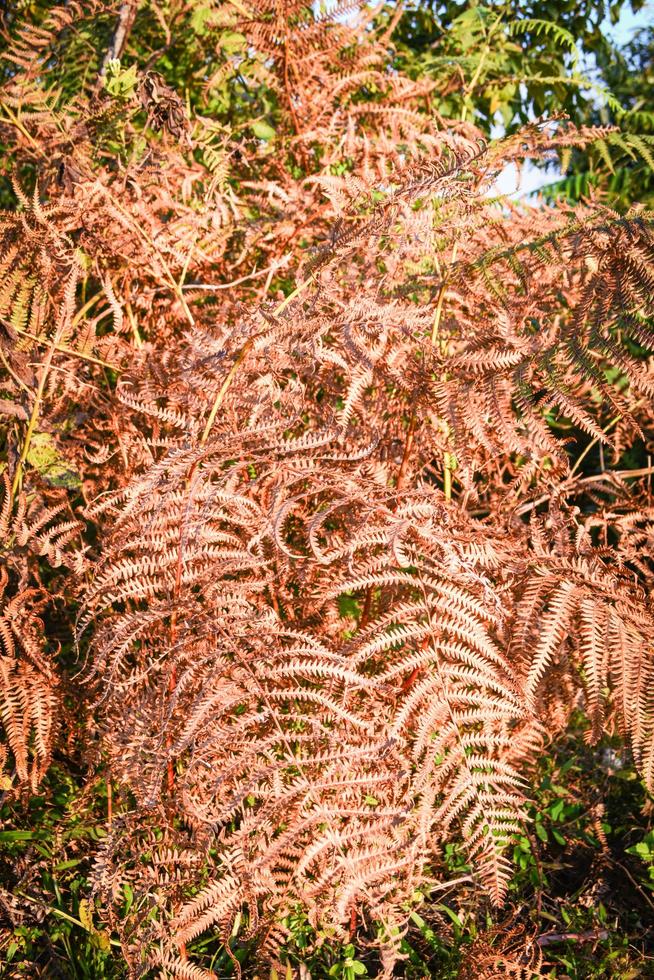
(29, 689)
(288, 477)
(579, 614)
(503, 952)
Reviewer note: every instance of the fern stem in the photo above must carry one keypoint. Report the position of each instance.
(255, 274)
(407, 450)
(223, 390)
(138, 340)
(367, 609)
(34, 417)
(179, 569)
(86, 307)
(590, 445)
(469, 89)
(605, 476)
(296, 292)
(448, 466)
(439, 313)
(15, 121)
(473, 82)
(449, 461)
(64, 349)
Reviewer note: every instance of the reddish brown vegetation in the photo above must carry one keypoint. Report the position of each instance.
(341, 582)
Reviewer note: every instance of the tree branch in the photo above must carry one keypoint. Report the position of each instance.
(126, 18)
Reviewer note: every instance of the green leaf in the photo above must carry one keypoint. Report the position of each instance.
(199, 19)
(128, 893)
(44, 457)
(451, 913)
(556, 809)
(64, 865)
(263, 130)
(9, 836)
(541, 832)
(231, 42)
(86, 915)
(120, 82)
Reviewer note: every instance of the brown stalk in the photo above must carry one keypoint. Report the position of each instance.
(124, 24)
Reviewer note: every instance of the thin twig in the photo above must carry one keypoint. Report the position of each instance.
(64, 349)
(408, 445)
(34, 417)
(255, 274)
(572, 937)
(606, 476)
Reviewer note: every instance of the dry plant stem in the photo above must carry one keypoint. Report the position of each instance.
(89, 304)
(296, 292)
(470, 88)
(572, 937)
(408, 445)
(223, 390)
(622, 867)
(203, 439)
(34, 417)
(607, 475)
(367, 609)
(449, 461)
(439, 312)
(448, 466)
(255, 274)
(138, 340)
(15, 121)
(401, 476)
(590, 445)
(172, 683)
(353, 921)
(63, 349)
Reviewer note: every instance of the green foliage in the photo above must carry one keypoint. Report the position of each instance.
(45, 457)
(501, 65)
(46, 860)
(44, 865)
(120, 82)
(644, 849)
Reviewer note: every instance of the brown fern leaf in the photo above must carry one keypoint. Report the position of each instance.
(581, 615)
(506, 951)
(29, 692)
